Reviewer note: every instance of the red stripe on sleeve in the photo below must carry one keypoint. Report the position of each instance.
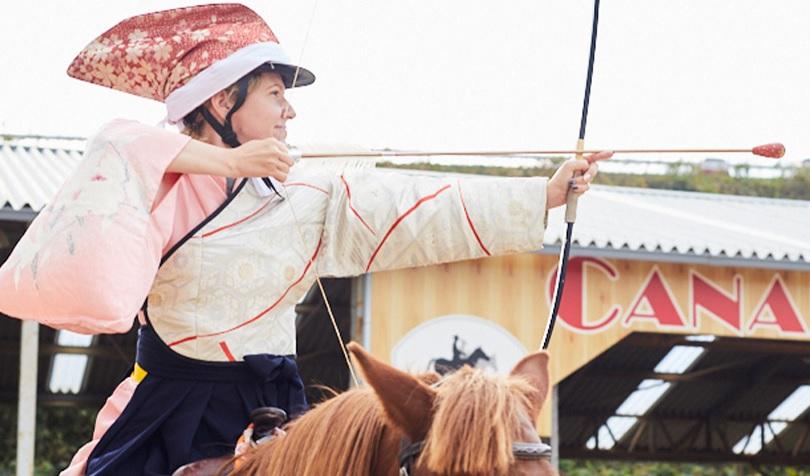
(469, 221)
(351, 207)
(304, 184)
(259, 315)
(402, 217)
(241, 220)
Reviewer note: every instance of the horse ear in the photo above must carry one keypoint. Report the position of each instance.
(407, 402)
(534, 368)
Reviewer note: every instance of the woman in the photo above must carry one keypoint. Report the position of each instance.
(170, 228)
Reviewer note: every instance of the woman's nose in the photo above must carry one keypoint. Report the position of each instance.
(289, 112)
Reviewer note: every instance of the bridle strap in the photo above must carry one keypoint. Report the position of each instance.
(529, 451)
(522, 450)
(409, 452)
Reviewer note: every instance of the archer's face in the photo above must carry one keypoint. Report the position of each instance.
(265, 112)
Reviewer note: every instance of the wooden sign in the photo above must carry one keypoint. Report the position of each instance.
(604, 301)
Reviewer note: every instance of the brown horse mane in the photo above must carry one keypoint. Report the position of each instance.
(476, 416)
(338, 436)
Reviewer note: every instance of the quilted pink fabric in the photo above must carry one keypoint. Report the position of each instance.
(89, 259)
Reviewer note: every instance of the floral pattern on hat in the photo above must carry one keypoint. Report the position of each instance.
(153, 54)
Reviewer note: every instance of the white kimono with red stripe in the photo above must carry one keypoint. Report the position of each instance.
(231, 289)
(92, 256)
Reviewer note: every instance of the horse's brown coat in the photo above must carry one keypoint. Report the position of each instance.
(468, 422)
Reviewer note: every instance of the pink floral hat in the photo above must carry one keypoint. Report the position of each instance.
(184, 56)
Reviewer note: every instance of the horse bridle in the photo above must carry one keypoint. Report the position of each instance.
(521, 450)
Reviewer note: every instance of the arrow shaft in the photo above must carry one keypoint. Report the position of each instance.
(502, 153)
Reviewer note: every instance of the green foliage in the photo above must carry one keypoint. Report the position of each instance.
(60, 432)
(795, 186)
(621, 468)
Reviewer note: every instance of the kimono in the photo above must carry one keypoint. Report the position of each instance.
(213, 271)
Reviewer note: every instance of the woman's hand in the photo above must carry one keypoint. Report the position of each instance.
(261, 158)
(257, 158)
(585, 170)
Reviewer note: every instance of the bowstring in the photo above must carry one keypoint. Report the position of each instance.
(322, 290)
(312, 264)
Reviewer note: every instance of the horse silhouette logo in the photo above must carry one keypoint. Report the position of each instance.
(446, 343)
(461, 358)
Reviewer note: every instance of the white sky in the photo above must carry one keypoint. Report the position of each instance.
(461, 74)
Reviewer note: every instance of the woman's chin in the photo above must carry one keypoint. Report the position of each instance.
(280, 134)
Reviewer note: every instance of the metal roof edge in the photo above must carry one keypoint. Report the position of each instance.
(23, 215)
(682, 258)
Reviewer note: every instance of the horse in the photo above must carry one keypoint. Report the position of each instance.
(470, 423)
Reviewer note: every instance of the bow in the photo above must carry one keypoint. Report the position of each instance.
(570, 210)
(774, 150)
(570, 207)
(571, 198)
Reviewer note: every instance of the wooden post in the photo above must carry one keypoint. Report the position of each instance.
(555, 428)
(366, 311)
(27, 405)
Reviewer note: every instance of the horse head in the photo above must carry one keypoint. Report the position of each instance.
(470, 422)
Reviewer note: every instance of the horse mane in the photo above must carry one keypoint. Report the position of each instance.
(341, 436)
(477, 416)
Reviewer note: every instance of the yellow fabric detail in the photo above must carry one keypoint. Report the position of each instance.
(139, 373)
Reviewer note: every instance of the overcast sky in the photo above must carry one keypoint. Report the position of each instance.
(466, 74)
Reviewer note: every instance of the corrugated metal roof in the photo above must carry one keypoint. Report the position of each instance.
(30, 176)
(689, 223)
(736, 385)
(609, 218)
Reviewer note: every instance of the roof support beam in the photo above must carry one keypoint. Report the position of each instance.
(692, 456)
(656, 416)
(744, 346)
(12, 348)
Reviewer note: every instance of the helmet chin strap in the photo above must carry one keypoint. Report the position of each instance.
(225, 131)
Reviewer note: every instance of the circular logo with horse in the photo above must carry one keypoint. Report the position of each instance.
(449, 342)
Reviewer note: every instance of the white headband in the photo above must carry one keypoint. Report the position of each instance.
(225, 72)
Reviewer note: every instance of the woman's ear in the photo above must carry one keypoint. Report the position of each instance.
(407, 402)
(219, 105)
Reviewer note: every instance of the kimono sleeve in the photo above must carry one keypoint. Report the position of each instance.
(89, 258)
(382, 220)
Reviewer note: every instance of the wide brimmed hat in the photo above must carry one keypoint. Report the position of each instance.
(184, 56)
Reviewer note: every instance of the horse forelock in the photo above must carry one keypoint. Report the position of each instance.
(477, 416)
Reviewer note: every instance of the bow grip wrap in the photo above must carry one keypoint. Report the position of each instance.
(571, 197)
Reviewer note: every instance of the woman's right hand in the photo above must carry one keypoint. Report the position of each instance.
(257, 158)
(261, 158)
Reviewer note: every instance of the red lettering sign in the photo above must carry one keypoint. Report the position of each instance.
(574, 300)
(777, 309)
(715, 302)
(655, 302)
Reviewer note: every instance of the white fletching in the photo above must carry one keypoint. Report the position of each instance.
(299, 152)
